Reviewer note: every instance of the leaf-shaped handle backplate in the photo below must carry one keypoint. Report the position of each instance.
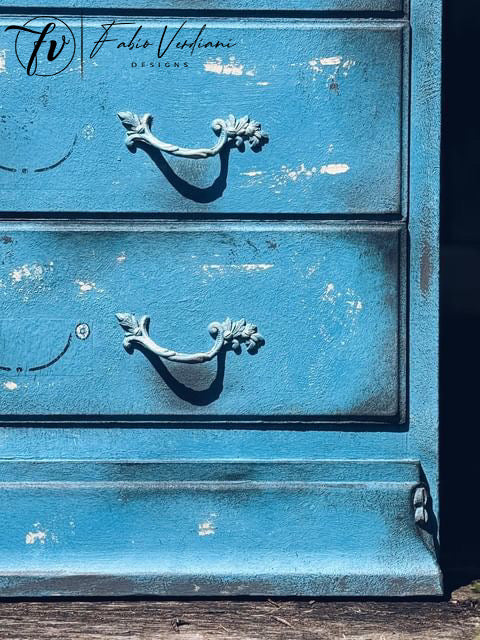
(230, 131)
(227, 335)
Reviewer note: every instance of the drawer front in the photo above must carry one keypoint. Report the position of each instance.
(330, 94)
(328, 300)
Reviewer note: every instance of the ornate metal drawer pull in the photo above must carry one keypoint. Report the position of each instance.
(227, 335)
(229, 131)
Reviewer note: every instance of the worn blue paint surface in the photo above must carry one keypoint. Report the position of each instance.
(331, 319)
(220, 513)
(393, 6)
(297, 474)
(331, 95)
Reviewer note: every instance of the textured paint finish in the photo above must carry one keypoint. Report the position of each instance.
(242, 527)
(330, 315)
(301, 469)
(393, 6)
(332, 96)
(424, 234)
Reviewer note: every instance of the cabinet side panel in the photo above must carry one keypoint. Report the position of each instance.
(424, 234)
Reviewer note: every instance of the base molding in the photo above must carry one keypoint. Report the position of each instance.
(212, 527)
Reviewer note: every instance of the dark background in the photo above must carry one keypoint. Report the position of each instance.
(460, 293)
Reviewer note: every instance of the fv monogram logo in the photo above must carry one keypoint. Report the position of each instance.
(44, 46)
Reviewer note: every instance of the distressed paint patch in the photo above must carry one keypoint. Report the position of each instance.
(10, 386)
(221, 268)
(230, 68)
(35, 536)
(345, 307)
(317, 64)
(121, 258)
(86, 287)
(206, 528)
(88, 132)
(252, 174)
(288, 173)
(30, 272)
(334, 169)
(426, 268)
(3, 60)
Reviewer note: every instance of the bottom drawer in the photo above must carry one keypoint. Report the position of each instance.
(329, 300)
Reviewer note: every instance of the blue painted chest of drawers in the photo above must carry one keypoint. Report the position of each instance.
(218, 362)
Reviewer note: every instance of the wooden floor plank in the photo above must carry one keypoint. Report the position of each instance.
(263, 619)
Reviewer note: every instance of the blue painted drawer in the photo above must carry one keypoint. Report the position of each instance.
(332, 318)
(332, 95)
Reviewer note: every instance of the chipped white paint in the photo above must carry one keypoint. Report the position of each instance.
(329, 293)
(206, 528)
(263, 84)
(329, 62)
(36, 536)
(86, 287)
(334, 65)
(230, 68)
(10, 385)
(293, 174)
(330, 148)
(255, 267)
(29, 271)
(287, 173)
(353, 303)
(121, 258)
(252, 174)
(347, 65)
(334, 169)
(3, 60)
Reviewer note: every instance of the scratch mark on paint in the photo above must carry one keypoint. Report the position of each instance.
(121, 258)
(263, 84)
(3, 60)
(10, 386)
